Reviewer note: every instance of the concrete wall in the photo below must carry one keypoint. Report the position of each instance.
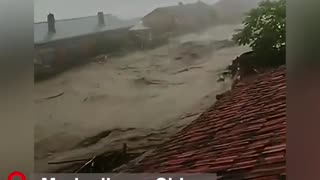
(79, 49)
(86, 46)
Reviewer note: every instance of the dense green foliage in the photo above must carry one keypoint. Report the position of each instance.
(264, 28)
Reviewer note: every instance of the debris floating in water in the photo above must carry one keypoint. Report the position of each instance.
(55, 96)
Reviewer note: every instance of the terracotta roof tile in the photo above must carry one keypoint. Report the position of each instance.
(242, 136)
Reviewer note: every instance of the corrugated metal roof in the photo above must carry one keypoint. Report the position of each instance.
(242, 136)
(78, 26)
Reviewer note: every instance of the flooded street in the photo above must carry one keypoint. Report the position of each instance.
(139, 99)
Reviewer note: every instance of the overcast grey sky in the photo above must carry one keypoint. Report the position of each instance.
(63, 9)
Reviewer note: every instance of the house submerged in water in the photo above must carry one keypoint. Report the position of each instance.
(180, 18)
(62, 41)
(165, 22)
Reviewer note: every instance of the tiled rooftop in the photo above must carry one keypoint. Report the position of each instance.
(242, 136)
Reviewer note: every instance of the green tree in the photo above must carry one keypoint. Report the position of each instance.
(264, 28)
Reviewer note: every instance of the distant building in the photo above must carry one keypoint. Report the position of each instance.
(58, 41)
(180, 18)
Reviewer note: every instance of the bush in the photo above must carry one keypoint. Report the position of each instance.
(265, 32)
(265, 28)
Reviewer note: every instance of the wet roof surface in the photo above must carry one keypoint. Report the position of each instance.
(242, 136)
(69, 28)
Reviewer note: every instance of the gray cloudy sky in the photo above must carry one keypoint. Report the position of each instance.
(78, 8)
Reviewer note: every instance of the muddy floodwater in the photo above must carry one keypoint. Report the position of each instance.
(140, 99)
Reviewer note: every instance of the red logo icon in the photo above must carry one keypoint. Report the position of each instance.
(17, 174)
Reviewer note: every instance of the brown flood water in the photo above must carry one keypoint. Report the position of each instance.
(140, 99)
